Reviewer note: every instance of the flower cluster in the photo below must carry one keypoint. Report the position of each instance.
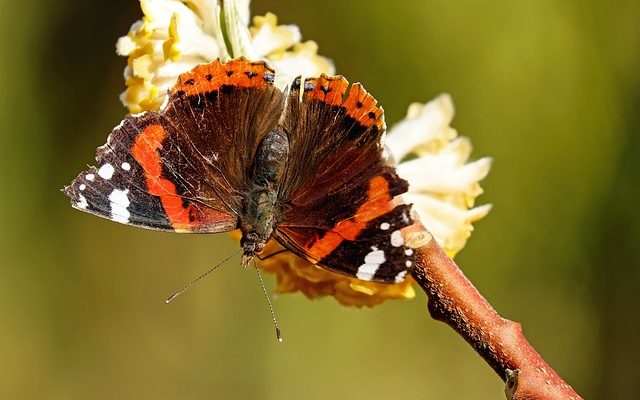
(434, 160)
(174, 36)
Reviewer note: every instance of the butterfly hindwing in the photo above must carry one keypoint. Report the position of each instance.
(130, 185)
(225, 110)
(378, 250)
(367, 249)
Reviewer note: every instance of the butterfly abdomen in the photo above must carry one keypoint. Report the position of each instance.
(258, 219)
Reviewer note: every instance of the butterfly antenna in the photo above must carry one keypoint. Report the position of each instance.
(184, 289)
(266, 296)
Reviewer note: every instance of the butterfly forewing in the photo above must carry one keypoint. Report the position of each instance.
(116, 189)
(182, 168)
(338, 189)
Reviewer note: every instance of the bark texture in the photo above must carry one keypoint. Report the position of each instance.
(456, 302)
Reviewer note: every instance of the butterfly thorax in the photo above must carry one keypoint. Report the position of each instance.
(258, 219)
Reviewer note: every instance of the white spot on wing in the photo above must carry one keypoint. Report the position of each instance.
(90, 177)
(82, 186)
(126, 166)
(396, 239)
(400, 276)
(372, 262)
(119, 205)
(106, 171)
(408, 252)
(367, 271)
(82, 202)
(375, 257)
(408, 263)
(384, 226)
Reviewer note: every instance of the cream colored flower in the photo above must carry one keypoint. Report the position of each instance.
(286, 54)
(174, 36)
(443, 186)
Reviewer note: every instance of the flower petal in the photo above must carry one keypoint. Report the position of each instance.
(171, 38)
(268, 37)
(436, 173)
(443, 185)
(303, 60)
(425, 127)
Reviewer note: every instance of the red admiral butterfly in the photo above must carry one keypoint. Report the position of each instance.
(230, 150)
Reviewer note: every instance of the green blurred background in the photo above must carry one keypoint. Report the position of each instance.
(549, 89)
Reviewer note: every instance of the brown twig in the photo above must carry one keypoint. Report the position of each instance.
(456, 302)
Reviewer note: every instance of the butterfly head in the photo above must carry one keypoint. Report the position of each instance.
(252, 244)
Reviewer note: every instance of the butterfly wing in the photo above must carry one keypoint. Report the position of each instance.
(182, 168)
(340, 209)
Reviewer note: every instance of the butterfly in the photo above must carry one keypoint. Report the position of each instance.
(230, 150)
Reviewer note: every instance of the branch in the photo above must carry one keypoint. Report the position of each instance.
(456, 302)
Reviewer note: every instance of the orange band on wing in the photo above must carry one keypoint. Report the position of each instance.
(145, 151)
(359, 104)
(210, 77)
(379, 202)
(362, 107)
(328, 89)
